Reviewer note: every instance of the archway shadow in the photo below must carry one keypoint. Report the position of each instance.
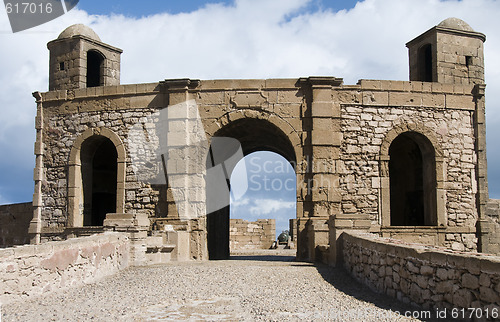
(339, 278)
(263, 258)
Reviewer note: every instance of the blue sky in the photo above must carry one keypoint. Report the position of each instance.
(234, 39)
(270, 190)
(151, 7)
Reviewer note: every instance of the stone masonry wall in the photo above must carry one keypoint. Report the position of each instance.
(258, 234)
(31, 270)
(392, 105)
(425, 276)
(14, 223)
(364, 130)
(63, 126)
(349, 160)
(68, 114)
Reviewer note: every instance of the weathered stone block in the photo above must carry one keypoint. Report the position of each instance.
(376, 98)
(405, 99)
(488, 295)
(470, 281)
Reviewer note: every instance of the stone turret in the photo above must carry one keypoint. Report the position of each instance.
(79, 59)
(450, 53)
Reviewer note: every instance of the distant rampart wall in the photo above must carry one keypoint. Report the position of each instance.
(14, 223)
(258, 234)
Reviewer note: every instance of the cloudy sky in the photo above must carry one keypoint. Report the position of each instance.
(234, 39)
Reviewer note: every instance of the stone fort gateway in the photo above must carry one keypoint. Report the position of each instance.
(404, 160)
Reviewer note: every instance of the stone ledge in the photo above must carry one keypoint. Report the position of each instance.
(413, 86)
(101, 91)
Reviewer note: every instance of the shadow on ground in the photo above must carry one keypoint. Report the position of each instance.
(264, 255)
(263, 258)
(341, 280)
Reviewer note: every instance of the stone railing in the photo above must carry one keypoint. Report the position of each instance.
(32, 270)
(423, 275)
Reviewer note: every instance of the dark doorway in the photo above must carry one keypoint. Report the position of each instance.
(412, 181)
(99, 171)
(425, 63)
(95, 69)
(218, 234)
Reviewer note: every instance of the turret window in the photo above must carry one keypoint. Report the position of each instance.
(425, 63)
(95, 68)
(468, 61)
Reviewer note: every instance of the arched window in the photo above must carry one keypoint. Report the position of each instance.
(99, 177)
(425, 63)
(95, 68)
(412, 173)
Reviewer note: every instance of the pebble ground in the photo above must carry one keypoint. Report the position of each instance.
(263, 287)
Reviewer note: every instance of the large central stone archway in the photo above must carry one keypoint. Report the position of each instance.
(266, 115)
(253, 134)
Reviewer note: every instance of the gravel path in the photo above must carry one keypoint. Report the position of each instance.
(246, 288)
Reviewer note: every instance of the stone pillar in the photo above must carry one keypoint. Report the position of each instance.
(318, 239)
(293, 229)
(482, 196)
(332, 242)
(198, 239)
(35, 227)
(322, 152)
(184, 149)
(136, 226)
(184, 156)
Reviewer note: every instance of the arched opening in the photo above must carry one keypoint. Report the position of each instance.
(263, 201)
(253, 135)
(412, 173)
(95, 69)
(425, 63)
(99, 179)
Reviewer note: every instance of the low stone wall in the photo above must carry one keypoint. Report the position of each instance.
(14, 223)
(423, 275)
(258, 234)
(31, 270)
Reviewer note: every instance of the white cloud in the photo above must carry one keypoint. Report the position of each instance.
(259, 206)
(263, 207)
(250, 39)
(240, 202)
